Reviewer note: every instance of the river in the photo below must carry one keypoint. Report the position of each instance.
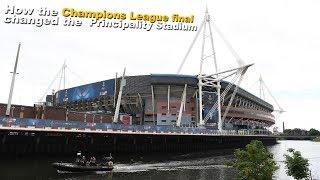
(194, 166)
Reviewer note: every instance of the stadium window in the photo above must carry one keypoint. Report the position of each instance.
(163, 114)
(163, 107)
(163, 121)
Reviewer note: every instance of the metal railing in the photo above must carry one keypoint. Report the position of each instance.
(76, 125)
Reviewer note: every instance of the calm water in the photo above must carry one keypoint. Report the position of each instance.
(195, 166)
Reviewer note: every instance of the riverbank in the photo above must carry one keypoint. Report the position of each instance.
(307, 138)
(317, 139)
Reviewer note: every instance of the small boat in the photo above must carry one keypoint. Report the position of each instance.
(73, 167)
(82, 165)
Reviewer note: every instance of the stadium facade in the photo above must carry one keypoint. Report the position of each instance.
(156, 100)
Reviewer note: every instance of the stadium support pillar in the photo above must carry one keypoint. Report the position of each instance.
(197, 109)
(200, 77)
(115, 90)
(152, 101)
(169, 99)
(122, 84)
(183, 101)
(220, 123)
(12, 82)
(142, 109)
(200, 84)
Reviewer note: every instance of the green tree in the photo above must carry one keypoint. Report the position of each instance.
(297, 166)
(314, 132)
(295, 132)
(254, 162)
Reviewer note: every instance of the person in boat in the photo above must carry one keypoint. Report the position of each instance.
(78, 158)
(110, 163)
(83, 161)
(108, 160)
(93, 161)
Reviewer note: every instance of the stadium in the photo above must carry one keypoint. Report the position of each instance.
(156, 99)
(142, 113)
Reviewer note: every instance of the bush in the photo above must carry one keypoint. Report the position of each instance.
(314, 132)
(254, 162)
(297, 166)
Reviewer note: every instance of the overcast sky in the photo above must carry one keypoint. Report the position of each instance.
(281, 38)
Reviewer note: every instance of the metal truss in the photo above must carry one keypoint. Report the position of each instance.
(213, 80)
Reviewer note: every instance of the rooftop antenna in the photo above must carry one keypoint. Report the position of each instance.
(12, 82)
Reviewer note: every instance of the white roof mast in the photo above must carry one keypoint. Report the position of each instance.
(117, 110)
(12, 82)
(214, 79)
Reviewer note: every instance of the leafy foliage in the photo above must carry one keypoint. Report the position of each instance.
(301, 132)
(254, 162)
(314, 132)
(295, 132)
(297, 166)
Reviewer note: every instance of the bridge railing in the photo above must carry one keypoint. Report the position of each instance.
(76, 125)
